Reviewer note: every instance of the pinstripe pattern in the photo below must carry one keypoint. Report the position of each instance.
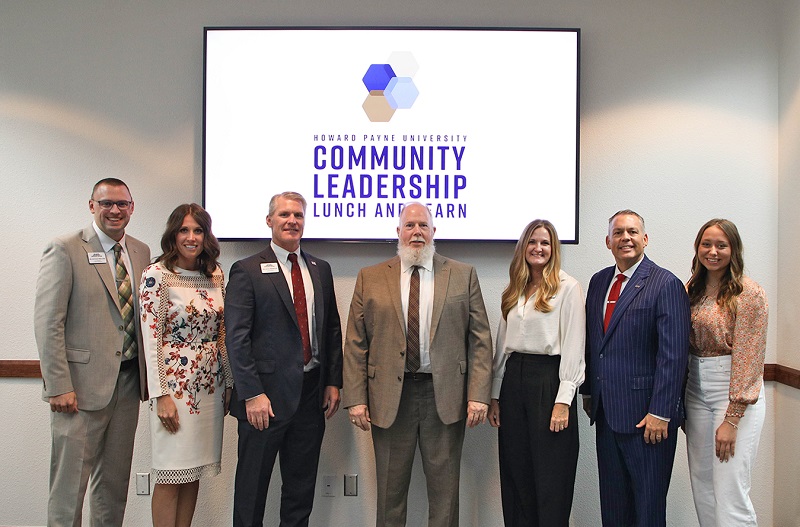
(636, 367)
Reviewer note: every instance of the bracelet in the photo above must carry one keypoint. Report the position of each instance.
(734, 425)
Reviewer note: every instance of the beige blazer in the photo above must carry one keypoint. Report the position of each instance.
(77, 319)
(460, 347)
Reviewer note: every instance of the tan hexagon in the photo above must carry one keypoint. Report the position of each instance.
(377, 107)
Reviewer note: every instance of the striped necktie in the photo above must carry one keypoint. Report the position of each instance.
(412, 329)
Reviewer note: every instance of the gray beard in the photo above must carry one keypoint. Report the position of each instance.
(410, 256)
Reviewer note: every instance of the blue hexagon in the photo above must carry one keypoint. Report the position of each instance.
(401, 92)
(378, 76)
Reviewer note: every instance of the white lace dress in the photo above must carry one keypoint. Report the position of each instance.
(184, 344)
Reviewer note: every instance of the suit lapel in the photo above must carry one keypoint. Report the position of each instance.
(278, 280)
(136, 273)
(441, 278)
(596, 305)
(392, 276)
(319, 303)
(632, 289)
(91, 244)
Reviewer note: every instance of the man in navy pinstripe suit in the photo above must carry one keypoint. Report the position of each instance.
(636, 355)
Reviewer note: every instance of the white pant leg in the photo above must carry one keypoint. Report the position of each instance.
(700, 444)
(721, 490)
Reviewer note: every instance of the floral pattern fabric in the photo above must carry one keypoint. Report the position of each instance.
(717, 332)
(184, 343)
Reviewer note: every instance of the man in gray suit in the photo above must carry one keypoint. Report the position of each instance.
(417, 367)
(87, 333)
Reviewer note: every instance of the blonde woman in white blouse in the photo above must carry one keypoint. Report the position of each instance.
(538, 367)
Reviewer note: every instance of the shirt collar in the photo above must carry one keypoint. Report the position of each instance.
(629, 273)
(282, 254)
(427, 265)
(106, 241)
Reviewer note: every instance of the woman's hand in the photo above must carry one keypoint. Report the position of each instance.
(725, 439)
(167, 413)
(494, 413)
(559, 419)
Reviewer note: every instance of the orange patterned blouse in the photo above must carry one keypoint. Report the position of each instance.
(715, 332)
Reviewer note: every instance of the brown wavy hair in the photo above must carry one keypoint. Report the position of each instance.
(730, 286)
(207, 260)
(519, 273)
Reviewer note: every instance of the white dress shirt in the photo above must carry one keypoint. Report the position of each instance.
(286, 267)
(562, 331)
(108, 244)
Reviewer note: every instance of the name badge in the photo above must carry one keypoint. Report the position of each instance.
(97, 258)
(269, 267)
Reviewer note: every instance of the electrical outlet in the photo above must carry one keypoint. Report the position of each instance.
(327, 486)
(351, 484)
(142, 483)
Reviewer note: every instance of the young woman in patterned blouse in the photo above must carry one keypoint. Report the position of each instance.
(725, 393)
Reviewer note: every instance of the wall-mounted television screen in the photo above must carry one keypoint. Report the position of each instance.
(479, 124)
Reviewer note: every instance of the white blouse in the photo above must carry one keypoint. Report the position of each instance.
(562, 331)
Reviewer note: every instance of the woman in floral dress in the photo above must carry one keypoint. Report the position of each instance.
(725, 392)
(188, 375)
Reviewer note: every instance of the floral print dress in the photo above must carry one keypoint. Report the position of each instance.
(184, 344)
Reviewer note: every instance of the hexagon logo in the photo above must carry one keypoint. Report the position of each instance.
(390, 86)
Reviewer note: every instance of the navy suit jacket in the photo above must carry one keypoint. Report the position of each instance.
(263, 337)
(638, 366)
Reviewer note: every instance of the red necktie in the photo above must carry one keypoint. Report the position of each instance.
(300, 307)
(613, 296)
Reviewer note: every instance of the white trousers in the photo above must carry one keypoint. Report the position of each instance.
(721, 490)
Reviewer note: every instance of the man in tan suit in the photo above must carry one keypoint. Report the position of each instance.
(418, 386)
(87, 332)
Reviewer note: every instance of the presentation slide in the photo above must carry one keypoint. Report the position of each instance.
(480, 125)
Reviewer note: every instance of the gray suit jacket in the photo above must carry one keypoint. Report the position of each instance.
(77, 319)
(460, 347)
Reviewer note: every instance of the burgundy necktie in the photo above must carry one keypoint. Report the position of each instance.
(300, 307)
(412, 329)
(613, 296)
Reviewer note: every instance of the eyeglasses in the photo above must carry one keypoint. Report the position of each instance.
(107, 204)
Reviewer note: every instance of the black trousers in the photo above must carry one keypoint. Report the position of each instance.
(297, 440)
(537, 466)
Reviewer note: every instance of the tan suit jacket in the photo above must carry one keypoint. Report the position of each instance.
(460, 347)
(77, 319)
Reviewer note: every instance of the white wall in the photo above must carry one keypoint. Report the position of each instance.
(787, 400)
(679, 120)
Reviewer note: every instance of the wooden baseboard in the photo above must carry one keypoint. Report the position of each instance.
(29, 369)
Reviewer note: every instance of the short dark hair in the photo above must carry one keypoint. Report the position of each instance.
(111, 182)
(207, 261)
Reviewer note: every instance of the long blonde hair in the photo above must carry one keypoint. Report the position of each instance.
(519, 273)
(730, 286)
